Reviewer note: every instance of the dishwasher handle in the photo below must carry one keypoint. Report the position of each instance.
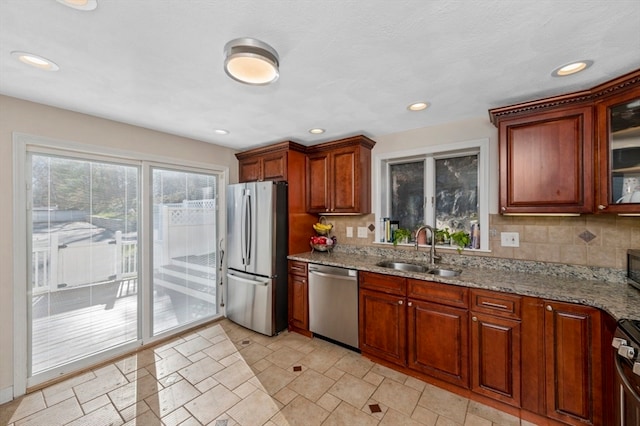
(326, 275)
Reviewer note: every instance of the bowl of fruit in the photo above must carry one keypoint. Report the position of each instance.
(322, 228)
(322, 243)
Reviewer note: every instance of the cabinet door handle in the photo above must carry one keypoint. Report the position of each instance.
(602, 207)
(549, 308)
(409, 304)
(474, 319)
(494, 305)
(504, 209)
(400, 302)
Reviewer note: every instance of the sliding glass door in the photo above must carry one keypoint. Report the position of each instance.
(119, 252)
(83, 292)
(185, 242)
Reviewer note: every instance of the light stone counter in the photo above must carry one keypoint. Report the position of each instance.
(553, 282)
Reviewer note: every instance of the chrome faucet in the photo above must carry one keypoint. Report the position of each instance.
(432, 250)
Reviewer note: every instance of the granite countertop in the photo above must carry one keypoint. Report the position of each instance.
(620, 300)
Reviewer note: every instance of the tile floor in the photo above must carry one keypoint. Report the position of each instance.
(225, 375)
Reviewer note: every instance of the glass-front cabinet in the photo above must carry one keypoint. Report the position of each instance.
(619, 152)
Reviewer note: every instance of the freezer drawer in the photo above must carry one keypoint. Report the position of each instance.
(250, 302)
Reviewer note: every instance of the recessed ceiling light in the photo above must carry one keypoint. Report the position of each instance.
(571, 68)
(85, 5)
(35, 61)
(316, 131)
(221, 132)
(418, 106)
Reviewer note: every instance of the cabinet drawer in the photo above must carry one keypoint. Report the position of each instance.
(494, 303)
(445, 294)
(383, 283)
(297, 268)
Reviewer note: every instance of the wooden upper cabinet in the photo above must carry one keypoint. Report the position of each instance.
(546, 162)
(267, 163)
(339, 176)
(618, 137)
(574, 153)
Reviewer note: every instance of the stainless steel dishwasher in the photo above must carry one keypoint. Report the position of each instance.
(333, 303)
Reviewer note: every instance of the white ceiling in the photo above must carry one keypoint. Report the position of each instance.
(347, 66)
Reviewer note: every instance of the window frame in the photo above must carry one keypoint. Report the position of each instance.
(23, 144)
(429, 153)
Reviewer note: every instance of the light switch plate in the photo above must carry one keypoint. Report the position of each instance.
(510, 239)
(362, 232)
(349, 231)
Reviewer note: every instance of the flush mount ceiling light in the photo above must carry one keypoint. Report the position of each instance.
(316, 131)
(85, 5)
(251, 61)
(221, 132)
(35, 61)
(418, 106)
(571, 68)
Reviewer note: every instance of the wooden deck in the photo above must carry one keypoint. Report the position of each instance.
(66, 328)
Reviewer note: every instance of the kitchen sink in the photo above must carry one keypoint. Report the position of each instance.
(402, 266)
(444, 272)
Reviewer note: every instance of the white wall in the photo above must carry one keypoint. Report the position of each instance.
(54, 123)
(458, 131)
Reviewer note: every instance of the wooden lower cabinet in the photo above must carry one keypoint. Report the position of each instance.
(573, 349)
(438, 341)
(298, 293)
(495, 357)
(382, 326)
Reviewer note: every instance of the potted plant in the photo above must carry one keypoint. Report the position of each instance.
(401, 235)
(461, 239)
(442, 236)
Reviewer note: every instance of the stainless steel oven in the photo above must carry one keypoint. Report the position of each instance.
(626, 344)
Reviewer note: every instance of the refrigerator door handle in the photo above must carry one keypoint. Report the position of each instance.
(249, 231)
(245, 228)
(246, 281)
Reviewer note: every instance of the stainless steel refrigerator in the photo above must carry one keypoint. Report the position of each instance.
(257, 235)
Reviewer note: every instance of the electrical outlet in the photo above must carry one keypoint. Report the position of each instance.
(349, 231)
(362, 232)
(510, 239)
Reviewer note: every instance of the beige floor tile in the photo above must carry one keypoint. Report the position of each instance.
(496, 416)
(197, 356)
(244, 390)
(171, 398)
(254, 353)
(473, 420)
(424, 416)
(211, 404)
(169, 365)
(320, 359)
(354, 364)
(59, 414)
(261, 365)
(328, 402)
(285, 396)
(415, 383)
(134, 410)
(207, 384)
(64, 390)
(105, 381)
(200, 370)
(191, 421)
(285, 357)
(389, 373)
(334, 373)
(526, 423)
(96, 403)
(302, 412)
(191, 346)
(134, 375)
(107, 415)
(311, 384)
(346, 414)
(23, 407)
(234, 375)
(254, 410)
(137, 361)
(397, 396)
(275, 378)
(145, 419)
(176, 417)
(395, 418)
(130, 393)
(444, 403)
(231, 359)
(221, 350)
(353, 390)
(444, 421)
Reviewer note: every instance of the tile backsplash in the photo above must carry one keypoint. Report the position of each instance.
(597, 240)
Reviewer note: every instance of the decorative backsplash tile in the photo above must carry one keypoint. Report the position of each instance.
(587, 236)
